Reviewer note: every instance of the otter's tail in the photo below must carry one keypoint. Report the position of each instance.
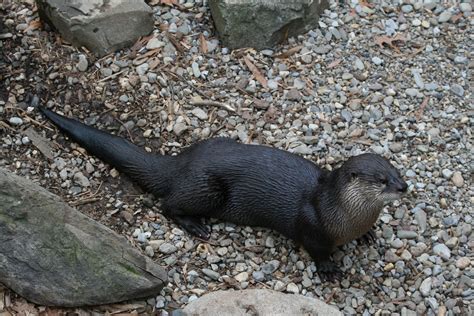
(150, 171)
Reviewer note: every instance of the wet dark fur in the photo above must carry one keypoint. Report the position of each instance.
(252, 185)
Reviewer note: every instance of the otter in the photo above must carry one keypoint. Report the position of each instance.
(254, 185)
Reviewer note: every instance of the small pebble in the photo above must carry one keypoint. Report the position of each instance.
(82, 64)
(457, 179)
(463, 262)
(15, 120)
(442, 250)
(167, 248)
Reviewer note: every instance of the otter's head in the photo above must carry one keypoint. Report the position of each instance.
(373, 177)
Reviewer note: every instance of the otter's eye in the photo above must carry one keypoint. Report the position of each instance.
(383, 180)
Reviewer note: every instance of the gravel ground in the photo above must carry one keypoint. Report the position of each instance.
(391, 79)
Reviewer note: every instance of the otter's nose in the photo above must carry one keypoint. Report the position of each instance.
(402, 187)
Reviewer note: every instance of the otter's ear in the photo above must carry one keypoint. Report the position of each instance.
(354, 175)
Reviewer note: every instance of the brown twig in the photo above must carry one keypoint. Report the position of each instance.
(111, 76)
(213, 103)
(85, 201)
(423, 105)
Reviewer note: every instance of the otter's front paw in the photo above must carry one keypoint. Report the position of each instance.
(368, 238)
(329, 272)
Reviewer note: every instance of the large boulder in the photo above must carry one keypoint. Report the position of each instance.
(102, 26)
(257, 302)
(52, 254)
(263, 23)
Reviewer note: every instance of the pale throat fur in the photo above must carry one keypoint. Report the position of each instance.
(355, 210)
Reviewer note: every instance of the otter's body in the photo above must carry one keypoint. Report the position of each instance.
(247, 185)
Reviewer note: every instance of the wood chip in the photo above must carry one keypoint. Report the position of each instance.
(257, 74)
(153, 63)
(169, 2)
(176, 43)
(289, 52)
(203, 44)
(334, 63)
(40, 142)
(419, 112)
(197, 102)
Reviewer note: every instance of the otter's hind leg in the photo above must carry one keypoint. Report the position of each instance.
(191, 223)
(320, 252)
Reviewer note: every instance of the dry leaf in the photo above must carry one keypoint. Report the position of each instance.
(257, 74)
(289, 52)
(381, 40)
(456, 17)
(35, 24)
(270, 115)
(203, 44)
(334, 63)
(40, 142)
(364, 3)
(169, 2)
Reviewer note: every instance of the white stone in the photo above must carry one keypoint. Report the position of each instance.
(264, 302)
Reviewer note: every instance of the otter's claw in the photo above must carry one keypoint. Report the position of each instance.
(193, 226)
(328, 272)
(369, 238)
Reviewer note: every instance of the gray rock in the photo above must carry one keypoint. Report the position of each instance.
(376, 60)
(210, 273)
(447, 174)
(167, 248)
(123, 98)
(431, 86)
(200, 114)
(154, 43)
(63, 257)
(264, 23)
(302, 149)
(445, 16)
(196, 71)
(101, 26)
(425, 286)
(396, 147)
(461, 60)
(457, 90)
(359, 64)
(407, 8)
(442, 250)
(142, 69)
(420, 217)
(407, 234)
(80, 179)
(15, 120)
(417, 77)
(457, 179)
(388, 101)
(258, 276)
(412, 92)
(260, 301)
(270, 267)
(179, 128)
(465, 7)
(82, 64)
(346, 115)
